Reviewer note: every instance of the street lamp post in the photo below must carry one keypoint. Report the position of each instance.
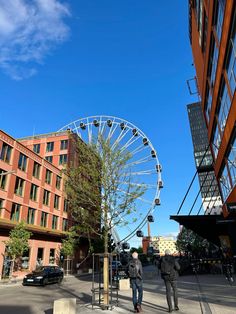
(7, 172)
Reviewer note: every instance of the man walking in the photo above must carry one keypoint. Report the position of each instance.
(135, 272)
(169, 271)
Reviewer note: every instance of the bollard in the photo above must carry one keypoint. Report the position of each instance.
(64, 306)
(124, 284)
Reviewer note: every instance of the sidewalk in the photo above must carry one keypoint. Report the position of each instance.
(208, 294)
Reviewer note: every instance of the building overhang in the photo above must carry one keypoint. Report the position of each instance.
(210, 227)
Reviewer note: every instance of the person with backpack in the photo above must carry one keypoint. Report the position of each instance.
(169, 272)
(135, 273)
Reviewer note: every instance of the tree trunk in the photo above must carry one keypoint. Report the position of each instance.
(12, 268)
(106, 265)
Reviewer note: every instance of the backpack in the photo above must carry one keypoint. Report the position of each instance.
(166, 267)
(133, 269)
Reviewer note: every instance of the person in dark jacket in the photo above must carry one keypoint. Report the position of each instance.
(135, 273)
(169, 272)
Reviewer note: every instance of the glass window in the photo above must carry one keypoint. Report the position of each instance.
(1, 206)
(56, 201)
(3, 179)
(49, 158)
(48, 176)
(44, 218)
(214, 61)
(219, 17)
(216, 141)
(208, 103)
(64, 224)
(36, 148)
(31, 216)
(33, 192)
(46, 196)
(22, 162)
(64, 144)
(66, 205)
(36, 170)
(63, 159)
(231, 59)
(224, 106)
(54, 222)
(225, 183)
(58, 182)
(200, 22)
(204, 37)
(15, 212)
(40, 253)
(232, 162)
(52, 256)
(50, 147)
(19, 186)
(6, 152)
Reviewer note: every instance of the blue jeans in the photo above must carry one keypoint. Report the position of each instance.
(137, 286)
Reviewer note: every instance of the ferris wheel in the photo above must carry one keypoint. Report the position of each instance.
(144, 167)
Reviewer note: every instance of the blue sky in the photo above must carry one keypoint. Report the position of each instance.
(64, 60)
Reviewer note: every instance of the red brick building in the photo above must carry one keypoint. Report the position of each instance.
(32, 190)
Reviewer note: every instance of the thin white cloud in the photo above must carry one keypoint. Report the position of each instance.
(29, 30)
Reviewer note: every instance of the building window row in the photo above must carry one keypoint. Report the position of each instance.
(219, 17)
(3, 179)
(228, 176)
(6, 153)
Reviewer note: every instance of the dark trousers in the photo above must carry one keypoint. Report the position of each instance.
(171, 283)
(137, 291)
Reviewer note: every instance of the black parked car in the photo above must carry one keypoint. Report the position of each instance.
(44, 275)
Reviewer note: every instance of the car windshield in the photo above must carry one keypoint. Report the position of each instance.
(42, 269)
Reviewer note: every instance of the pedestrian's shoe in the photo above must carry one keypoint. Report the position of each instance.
(176, 308)
(139, 308)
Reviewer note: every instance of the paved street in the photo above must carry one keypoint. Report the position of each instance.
(211, 295)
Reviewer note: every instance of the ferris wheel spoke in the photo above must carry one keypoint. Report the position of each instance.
(138, 198)
(132, 140)
(138, 149)
(145, 185)
(139, 161)
(112, 130)
(143, 172)
(120, 137)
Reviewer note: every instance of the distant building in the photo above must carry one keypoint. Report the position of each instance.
(161, 244)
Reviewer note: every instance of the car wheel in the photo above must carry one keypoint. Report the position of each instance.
(45, 282)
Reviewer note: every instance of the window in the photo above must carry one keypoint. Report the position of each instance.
(44, 218)
(54, 222)
(46, 196)
(36, 148)
(58, 182)
(36, 170)
(63, 159)
(231, 59)
(15, 212)
(48, 176)
(232, 162)
(49, 158)
(213, 62)
(216, 141)
(39, 261)
(64, 224)
(6, 152)
(56, 201)
(19, 186)
(50, 147)
(200, 21)
(66, 205)
(224, 106)
(208, 103)
(1, 206)
(3, 179)
(33, 192)
(219, 17)
(22, 162)
(52, 256)
(31, 216)
(204, 37)
(64, 144)
(225, 183)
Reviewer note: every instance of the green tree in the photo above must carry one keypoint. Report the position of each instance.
(190, 242)
(101, 192)
(18, 243)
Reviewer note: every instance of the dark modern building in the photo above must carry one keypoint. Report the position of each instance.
(212, 27)
(211, 199)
